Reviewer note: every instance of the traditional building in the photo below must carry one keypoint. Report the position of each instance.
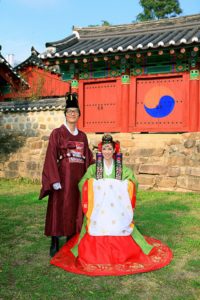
(10, 80)
(43, 81)
(140, 77)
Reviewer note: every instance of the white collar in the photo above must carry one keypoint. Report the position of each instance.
(75, 132)
(108, 170)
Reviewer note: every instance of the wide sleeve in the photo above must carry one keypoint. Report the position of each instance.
(50, 172)
(127, 173)
(90, 173)
(88, 154)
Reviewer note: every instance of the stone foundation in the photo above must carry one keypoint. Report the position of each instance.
(165, 162)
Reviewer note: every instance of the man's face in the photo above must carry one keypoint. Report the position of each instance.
(72, 115)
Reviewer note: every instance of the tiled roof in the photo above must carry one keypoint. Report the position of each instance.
(34, 60)
(123, 38)
(12, 72)
(39, 105)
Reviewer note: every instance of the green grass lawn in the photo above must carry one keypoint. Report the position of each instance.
(25, 272)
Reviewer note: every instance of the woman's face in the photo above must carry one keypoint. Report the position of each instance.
(107, 151)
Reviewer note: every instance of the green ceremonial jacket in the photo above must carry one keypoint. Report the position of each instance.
(91, 173)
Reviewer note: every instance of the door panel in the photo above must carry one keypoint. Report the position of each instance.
(100, 106)
(160, 103)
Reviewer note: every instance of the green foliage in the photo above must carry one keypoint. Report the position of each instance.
(25, 271)
(158, 9)
(10, 142)
(104, 23)
(92, 25)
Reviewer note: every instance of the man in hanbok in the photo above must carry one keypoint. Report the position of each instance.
(67, 158)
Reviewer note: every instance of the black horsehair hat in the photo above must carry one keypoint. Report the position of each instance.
(72, 101)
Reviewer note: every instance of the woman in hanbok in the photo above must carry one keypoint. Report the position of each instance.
(109, 242)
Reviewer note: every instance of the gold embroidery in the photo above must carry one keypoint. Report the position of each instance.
(156, 258)
(136, 266)
(129, 267)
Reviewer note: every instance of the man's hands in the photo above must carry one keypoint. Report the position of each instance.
(57, 186)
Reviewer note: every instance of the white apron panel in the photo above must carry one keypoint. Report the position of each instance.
(112, 213)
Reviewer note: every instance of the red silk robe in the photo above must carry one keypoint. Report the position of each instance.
(66, 161)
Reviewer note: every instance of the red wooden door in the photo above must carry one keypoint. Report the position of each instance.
(101, 111)
(161, 104)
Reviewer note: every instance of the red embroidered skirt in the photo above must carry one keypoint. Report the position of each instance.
(111, 255)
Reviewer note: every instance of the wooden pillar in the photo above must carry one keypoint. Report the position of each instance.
(132, 104)
(199, 107)
(74, 89)
(125, 80)
(194, 100)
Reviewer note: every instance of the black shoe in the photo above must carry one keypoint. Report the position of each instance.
(54, 245)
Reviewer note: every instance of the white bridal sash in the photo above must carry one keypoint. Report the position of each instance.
(109, 208)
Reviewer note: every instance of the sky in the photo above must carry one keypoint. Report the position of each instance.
(27, 23)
